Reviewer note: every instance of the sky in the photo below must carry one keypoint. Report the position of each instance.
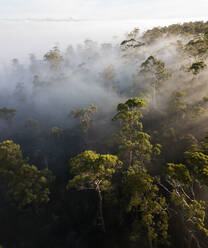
(104, 9)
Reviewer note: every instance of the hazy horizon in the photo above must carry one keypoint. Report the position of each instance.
(21, 37)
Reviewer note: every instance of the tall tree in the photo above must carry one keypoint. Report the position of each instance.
(7, 115)
(24, 183)
(157, 73)
(134, 145)
(93, 171)
(150, 223)
(84, 116)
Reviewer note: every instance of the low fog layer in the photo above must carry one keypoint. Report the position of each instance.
(20, 37)
(50, 85)
(63, 101)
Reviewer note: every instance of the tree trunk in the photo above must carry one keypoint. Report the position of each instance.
(154, 95)
(130, 157)
(46, 162)
(149, 238)
(100, 206)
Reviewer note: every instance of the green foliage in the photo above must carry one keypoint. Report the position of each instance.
(57, 132)
(54, 58)
(131, 43)
(31, 124)
(109, 73)
(185, 29)
(156, 73)
(30, 186)
(134, 33)
(182, 110)
(134, 145)
(84, 116)
(25, 183)
(7, 114)
(146, 201)
(91, 170)
(11, 157)
(157, 70)
(197, 67)
(177, 104)
(150, 208)
(179, 172)
(185, 180)
(197, 47)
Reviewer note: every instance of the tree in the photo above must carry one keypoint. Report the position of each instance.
(197, 47)
(30, 186)
(134, 33)
(54, 58)
(177, 105)
(185, 184)
(31, 124)
(155, 69)
(133, 144)
(147, 206)
(57, 132)
(131, 43)
(196, 67)
(93, 171)
(181, 110)
(36, 81)
(19, 92)
(7, 115)
(84, 116)
(25, 184)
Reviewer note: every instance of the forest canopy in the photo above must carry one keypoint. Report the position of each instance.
(107, 144)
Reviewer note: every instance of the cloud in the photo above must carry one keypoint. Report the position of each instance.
(99, 9)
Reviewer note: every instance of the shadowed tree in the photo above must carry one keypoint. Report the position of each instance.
(156, 72)
(149, 209)
(93, 171)
(84, 116)
(57, 132)
(185, 184)
(133, 144)
(25, 184)
(7, 115)
(196, 67)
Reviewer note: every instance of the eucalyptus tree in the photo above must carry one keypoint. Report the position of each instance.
(155, 71)
(93, 171)
(7, 115)
(24, 184)
(186, 183)
(133, 144)
(149, 208)
(54, 58)
(84, 116)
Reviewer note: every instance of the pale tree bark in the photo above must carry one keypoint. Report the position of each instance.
(100, 205)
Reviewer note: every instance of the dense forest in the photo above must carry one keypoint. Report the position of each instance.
(106, 145)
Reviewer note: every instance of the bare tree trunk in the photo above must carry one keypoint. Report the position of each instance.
(100, 206)
(46, 162)
(189, 240)
(154, 95)
(130, 158)
(149, 238)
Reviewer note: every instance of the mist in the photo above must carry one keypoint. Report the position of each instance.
(20, 37)
(87, 71)
(61, 81)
